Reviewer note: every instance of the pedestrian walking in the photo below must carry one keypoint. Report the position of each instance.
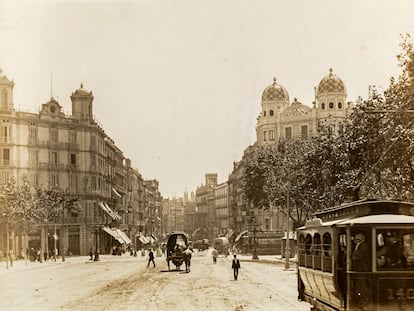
(151, 258)
(214, 252)
(235, 266)
(90, 254)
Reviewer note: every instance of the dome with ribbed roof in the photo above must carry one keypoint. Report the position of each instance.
(331, 84)
(275, 92)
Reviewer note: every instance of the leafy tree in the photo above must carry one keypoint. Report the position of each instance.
(372, 152)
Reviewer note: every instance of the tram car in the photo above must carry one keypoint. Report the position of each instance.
(177, 243)
(358, 256)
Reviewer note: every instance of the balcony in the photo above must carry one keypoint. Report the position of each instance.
(7, 140)
(7, 163)
(50, 166)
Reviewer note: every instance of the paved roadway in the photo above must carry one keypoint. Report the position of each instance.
(125, 283)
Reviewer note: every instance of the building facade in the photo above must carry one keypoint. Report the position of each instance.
(75, 153)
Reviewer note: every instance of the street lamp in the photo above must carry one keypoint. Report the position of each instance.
(287, 249)
(254, 225)
(95, 231)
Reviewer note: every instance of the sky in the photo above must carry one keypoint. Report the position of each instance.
(177, 84)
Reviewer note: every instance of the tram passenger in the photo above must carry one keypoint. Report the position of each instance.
(360, 262)
(390, 255)
(360, 255)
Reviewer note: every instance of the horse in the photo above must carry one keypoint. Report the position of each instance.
(187, 259)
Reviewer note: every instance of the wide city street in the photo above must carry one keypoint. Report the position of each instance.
(125, 283)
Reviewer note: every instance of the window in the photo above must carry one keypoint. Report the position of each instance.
(339, 105)
(264, 113)
(6, 156)
(288, 132)
(323, 106)
(316, 251)
(267, 223)
(54, 179)
(33, 134)
(331, 105)
(72, 138)
(272, 135)
(73, 159)
(33, 157)
(34, 179)
(264, 135)
(6, 134)
(54, 159)
(395, 249)
(304, 131)
(53, 134)
(327, 252)
(4, 105)
(73, 183)
(271, 112)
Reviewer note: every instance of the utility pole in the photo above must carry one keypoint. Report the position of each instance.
(287, 249)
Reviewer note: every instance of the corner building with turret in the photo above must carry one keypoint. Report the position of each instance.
(74, 152)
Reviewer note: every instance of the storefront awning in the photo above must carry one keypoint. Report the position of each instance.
(142, 239)
(238, 237)
(116, 216)
(109, 231)
(124, 237)
(116, 193)
(114, 233)
(229, 233)
(109, 211)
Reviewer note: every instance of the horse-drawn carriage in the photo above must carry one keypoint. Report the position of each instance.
(177, 250)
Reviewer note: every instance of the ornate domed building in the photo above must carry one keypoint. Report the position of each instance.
(279, 118)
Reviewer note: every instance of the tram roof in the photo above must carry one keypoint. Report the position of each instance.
(364, 220)
(366, 207)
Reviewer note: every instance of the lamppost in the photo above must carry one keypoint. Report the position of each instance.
(254, 227)
(95, 231)
(287, 249)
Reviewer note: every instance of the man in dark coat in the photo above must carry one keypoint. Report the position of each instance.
(236, 266)
(151, 258)
(360, 262)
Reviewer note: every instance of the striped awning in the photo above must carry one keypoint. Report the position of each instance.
(109, 211)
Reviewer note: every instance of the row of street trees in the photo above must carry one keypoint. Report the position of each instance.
(22, 210)
(371, 154)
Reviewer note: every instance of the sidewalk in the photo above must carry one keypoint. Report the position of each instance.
(273, 259)
(21, 264)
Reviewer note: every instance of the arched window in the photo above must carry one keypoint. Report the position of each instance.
(339, 105)
(327, 252)
(308, 249)
(264, 113)
(323, 106)
(301, 249)
(331, 105)
(316, 251)
(271, 112)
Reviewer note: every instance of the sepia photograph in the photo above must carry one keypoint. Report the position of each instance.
(186, 155)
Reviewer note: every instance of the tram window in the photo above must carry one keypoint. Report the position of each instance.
(301, 248)
(316, 244)
(327, 252)
(327, 244)
(308, 244)
(316, 252)
(395, 249)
